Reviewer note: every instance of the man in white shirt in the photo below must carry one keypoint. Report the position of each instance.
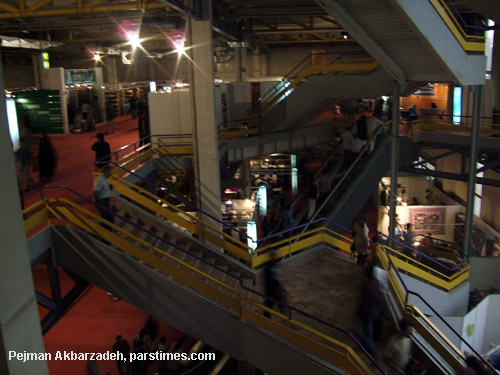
(397, 353)
(102, 194)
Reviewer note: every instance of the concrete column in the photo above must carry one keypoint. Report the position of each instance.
(244, 64)
(205, 133)
(394, 158)
(495, 70)
(237, 64)
(19, 321)
(257, 66)
(37, 63)
(474, 151)
(111, 69)
(245, 175)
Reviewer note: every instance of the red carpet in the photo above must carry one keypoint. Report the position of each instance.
(76, 159)
(92, 324)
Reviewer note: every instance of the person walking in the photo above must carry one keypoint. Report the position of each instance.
(46, 158)
(286, 220)
(312, 196)
(122, 346)
(102, 195)
(361, 240)
(273, 288)
(102, 151)
(370, 310)
(133, 106)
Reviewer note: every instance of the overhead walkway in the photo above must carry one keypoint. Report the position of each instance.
(202, 296)
(415, 41)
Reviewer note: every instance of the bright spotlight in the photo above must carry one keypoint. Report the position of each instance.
(134, 40)
(97, 57)
(179, 47)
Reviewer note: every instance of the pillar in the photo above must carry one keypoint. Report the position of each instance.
(37, 62)
(205, 133)
(495, 71)
(244, 64)
(110, 64)
(237, 64)
(394, 158)
(19, 321)
(474, 151)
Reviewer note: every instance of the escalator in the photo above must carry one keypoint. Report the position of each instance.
(207, 298)
(199, 295)
(413, 40)
(356, 185)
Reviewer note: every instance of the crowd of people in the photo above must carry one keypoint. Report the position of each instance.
(146, 341)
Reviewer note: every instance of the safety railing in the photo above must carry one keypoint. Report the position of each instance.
(334, 63)
(425, 328)
(285, 243)
(348, 172)
(485, 130)
(334, 351)
(293, 243)
(422, 266)
(317, 342)
(470, 43)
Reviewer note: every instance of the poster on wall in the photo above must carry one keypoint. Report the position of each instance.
(427, 220)
(427, 90)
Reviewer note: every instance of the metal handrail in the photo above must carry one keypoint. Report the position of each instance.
(459, 17)
(337, 186)
(456, 268)
(408, 292)
(159, 238)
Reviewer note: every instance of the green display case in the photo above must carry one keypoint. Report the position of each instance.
(45, 110)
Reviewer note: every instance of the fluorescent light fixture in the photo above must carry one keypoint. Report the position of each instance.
(13, 125)
(457, 104)
(152, 86)
(262, 199)
(252, 235)
(295, 180)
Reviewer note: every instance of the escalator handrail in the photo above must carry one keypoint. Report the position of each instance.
(456, 268)
(240, 280)
(337, 186)
(187, 203)
(408, 292)
(317, 173)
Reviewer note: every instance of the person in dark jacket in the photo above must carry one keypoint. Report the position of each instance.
(123, 347)
(273, 288)
(46, 158)
(102, 151)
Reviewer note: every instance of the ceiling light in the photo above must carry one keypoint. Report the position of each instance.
(179, 47)
(97, 57)
(134, 40)
(344, 34)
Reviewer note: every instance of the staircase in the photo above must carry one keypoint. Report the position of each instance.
(415, 41)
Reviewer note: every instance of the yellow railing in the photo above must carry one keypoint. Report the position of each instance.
(426, 125)
(344, 66)
(443, 346)
(470, 43)
(278, 249)
(291, 330)
(339, 66)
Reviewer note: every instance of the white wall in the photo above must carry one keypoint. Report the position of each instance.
(492, 326)
(484, 273)
(170, 113)
(446, 304)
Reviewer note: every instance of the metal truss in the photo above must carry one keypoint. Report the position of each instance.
(420, 168)
(57, 304)
(47, 8)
